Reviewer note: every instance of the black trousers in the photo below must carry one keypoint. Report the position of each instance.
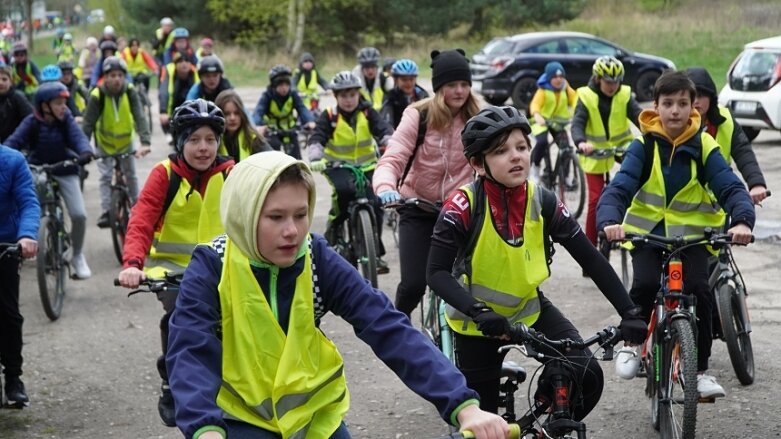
(168, 299)
(343, 182)
(647, 267)
(415, 230)
(10, 318)
(481, 364)
(279, 145)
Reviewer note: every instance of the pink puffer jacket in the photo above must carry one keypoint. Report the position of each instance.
(439, 167)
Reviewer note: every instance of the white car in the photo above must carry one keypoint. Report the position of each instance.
(753, 90)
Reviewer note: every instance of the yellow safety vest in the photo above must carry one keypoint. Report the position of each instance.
(355, 147)
(724, 134)
(189, 220)
(68, 53)
(506, 276)
(114, 129)
(687, 214)
(375, 97)
(244, 149)
(296, 389)
(618, 124)
(31, 85)
(282, 118)
(305, 88)
(135, 64)
(555, 109)
(168, 40)
(171, 70)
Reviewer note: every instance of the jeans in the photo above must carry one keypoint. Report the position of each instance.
(242, 430)
(106, 169)
(74, 202)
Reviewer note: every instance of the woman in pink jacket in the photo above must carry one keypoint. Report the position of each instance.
(427, 166)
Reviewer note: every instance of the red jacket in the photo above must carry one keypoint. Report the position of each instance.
(147, 214)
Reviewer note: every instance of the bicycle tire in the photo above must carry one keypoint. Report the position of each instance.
(119, 215)
(741, 354)
(364, 246)
(626, 268)
(651, 386)
(50, 268)
(678, 384)
(571, 185)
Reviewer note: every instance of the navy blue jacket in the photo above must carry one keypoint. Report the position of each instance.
(50, 142)
(264, 103)
(20, 212)
(730, 191)
(195, 354)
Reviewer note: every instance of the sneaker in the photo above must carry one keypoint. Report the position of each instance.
(165, 406)
(80, 267)
(103, 221)
(382, 266)
(15, 395)
(627, 362)
(708, 387)
(534, 174)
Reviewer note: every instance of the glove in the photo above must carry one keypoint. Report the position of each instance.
(318, 165)
(488, 321)
(633, 327)
(389, 197)
(85, 158)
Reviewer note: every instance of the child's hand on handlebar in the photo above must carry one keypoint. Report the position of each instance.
(389, 197)
(483, 424)
(740, 234)
(318, 165)
(585, 147)
(131, 277)
(614, 232)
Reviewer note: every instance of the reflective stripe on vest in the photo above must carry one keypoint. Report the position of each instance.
(114, 129)
(355, 147)
(724, 134)
(375, 97)
(280, 117)
(502, 275)
(189, 220)
(305, 88)
(690, 211)
(295, 389)
(554, 109)
(618, 126)
(171, 70)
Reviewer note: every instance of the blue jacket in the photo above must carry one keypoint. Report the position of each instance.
(265, 100)
(194, 351)
(20, 212)
(50, 143)
(195, 91)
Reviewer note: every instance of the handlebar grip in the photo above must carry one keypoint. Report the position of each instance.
(116, 283)
(515, 433)
(768, 193)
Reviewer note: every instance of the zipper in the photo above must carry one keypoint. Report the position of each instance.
(273, 291)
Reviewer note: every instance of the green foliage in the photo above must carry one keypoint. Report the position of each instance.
(249, 22)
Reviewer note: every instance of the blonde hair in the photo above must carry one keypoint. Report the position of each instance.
(295, 174)
(438, 116)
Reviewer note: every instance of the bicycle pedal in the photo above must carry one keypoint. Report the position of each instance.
(710, 400)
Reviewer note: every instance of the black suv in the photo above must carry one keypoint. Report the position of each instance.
(508, 67)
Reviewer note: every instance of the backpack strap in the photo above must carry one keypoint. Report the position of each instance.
(422, 127)
(174, 181)
(649, 143)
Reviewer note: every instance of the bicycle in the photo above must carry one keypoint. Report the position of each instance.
(288, 139)
(139, 82)
(358, 242)
(669, 354)
(121, 205)
(550, 414)
(53, 239)
(165, 288)
(566, 176)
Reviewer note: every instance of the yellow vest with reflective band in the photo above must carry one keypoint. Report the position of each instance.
(355, 147)
(114, 129)
(168, 40)
(282, 118)
(505, 276)
(189, 220)
(171, 69)
(244, 149)
(618, 124)
(689, 212)
(291, 384)
(724, 134)
(67, 53)
(29, 87)
(306, 88)
(135, 64)
(375, 97)
(554, 109)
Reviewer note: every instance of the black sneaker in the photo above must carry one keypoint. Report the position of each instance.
(382, 266)
(103, 221)
(15, 395)
(165, 406)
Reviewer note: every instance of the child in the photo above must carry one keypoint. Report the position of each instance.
(26, 75)
(163, 231)
(14, 106)
(206, 49)
(88, 61)
(373, 81)
(140, 64)
(245, 329)
(66, 51)
(404, 92)
(176, 80)
(277, 108)
(511, 222)
(241, 140)
(51, 135)
(77, 102)
(307, 79)
(552, 102)
(212, 82)
(348, 132)
(602, 116)
(113, 110)
(19, 221)
(180, 43)
(661, 189)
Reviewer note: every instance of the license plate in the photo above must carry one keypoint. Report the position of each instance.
(745, 107)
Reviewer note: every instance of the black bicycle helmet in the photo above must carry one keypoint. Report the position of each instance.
(369, 57)
(108, 45)
(196, 113)
(65, 65)
(345, 80)
(114, 63)
(485, 126)
(49, 91)
(279, 73)
(209, 64)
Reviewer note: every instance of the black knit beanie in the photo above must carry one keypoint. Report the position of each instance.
(449, 66)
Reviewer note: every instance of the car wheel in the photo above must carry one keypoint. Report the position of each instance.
(644, 86)
(495, 101)
(523, 90)
(751, 133)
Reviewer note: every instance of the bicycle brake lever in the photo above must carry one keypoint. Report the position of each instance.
(136, 292)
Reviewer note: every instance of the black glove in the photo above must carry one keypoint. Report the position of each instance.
(85, 158)
(488, 321)
(633, 327)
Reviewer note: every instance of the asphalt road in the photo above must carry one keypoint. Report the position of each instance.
(92, 374)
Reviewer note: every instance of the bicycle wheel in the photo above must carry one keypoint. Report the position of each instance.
(119, 215)
(364, 247)
(429, 317)
(738, 339)
(50, 268)
(571, 185)
(626, 268)
(678, 382)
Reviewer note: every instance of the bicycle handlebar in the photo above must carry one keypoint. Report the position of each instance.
(49, 167)
(12, 249)
(522, 334)
(416, 202)
(601, 153)
(171, 280)
(515, 433)
(710, 237)
(115, 156)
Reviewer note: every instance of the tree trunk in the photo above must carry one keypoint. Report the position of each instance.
(478, 21)
(301, 22)
(28, 7)
(291, 24)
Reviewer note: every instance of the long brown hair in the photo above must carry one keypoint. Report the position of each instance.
(246, 128)
(438, 116)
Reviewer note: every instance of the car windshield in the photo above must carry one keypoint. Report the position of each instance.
(585, 46)
(757, 63)
(499, 46)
